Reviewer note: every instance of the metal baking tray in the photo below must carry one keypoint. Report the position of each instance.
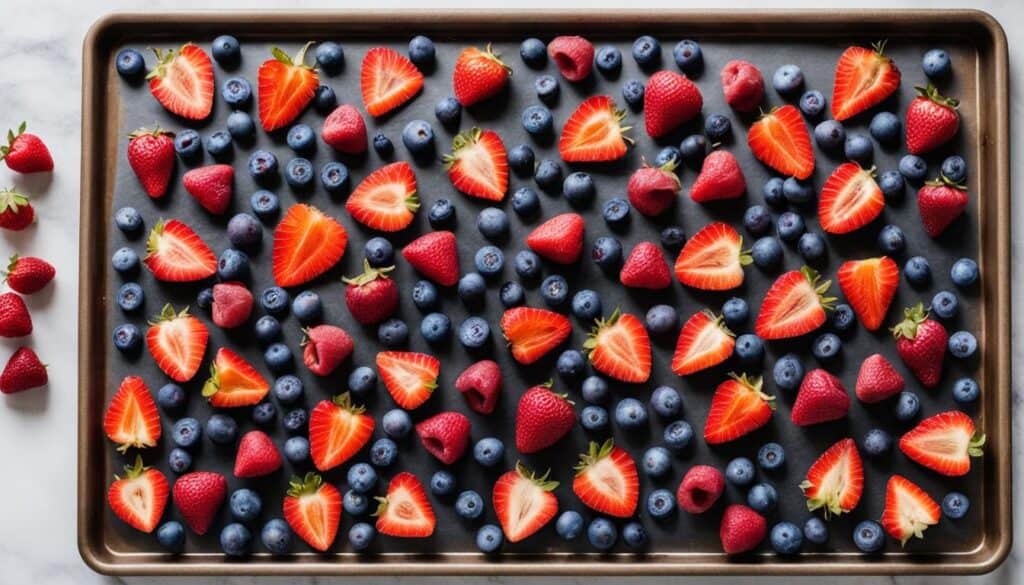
(684, 545)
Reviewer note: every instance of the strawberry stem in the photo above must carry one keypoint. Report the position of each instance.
(912, 318)
(369, 274)
(974, 448)
(304, 486)
(931, 92)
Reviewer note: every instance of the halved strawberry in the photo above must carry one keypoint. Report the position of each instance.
(850, 199)
(338, 429)
(388, 80)
(712, 259)
(606, 480)
(233, 381)
(524, 502)
(386, 199)
(704, 342)
(183, 82)
(794, 305)
(285, 87)
(738, 407)
(478, 164)
(864, 78)
(175, 253)
(313, 510)
(780, 140)
(909, 511)
(835, 480)
(944, 443)
(532, 332)
(620, 348)
(405, 512)
(307, 243)
(869, 285)
(177, 342)
(410, 377)
(594, 132)
(132, 419)
(140, 497)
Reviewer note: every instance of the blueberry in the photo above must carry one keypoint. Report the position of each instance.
(128, 338)
(762, 497)
(533, 52)
(221, 429)
(812, 247)
(471, 289)
(796, 191)
(569, 525)
(301, 138)
(858, 148)
(594, 418)
(295, 420)
(554, 290)
(396, 423)
(474, 332)
(936, 63)
(537, 120)
(750, 349)
(661, 319)
(886, 128)
(955, 505)
(917, 271)
(330, 56)
(891, 239)
(647, 51)
(383, 146)
(237, 92)
(264, 413)
(657, 461)
(634, 535)
(586, 305)
(963, 344)
(469, 505)
(788, 372)
(435, 327)
(602, 534)
(171, 397)
(717, 127)
(360, 536)
(633, 94)
(757, 220)
(244, 231)
(913, 168)
(218, 144)
(442, 483)
(489, 538)
(296, 449)
(298, 173)
(233, 265)
(547, 89)
(693, 149)
(830, 135)
(265, 205)
(171, 536)
(548, 175)
(262, 165)
(666, 402)
(188, 144)
(362, 381)
(668, 155)
(688, 57)
(489, 451)
(677, 435)
(607, 253)
(672, 238)
(393, 333)
(815, 530)
(735, 312)
(594, 390)
(945, 305)
(492, 223)
(226, 50)
(571, 365)
(307, 307)
(966, 391)
(418, 138)
(877, 442)
(661, 503)
(964, 272)
(355, 503)
(788, 79)
(786, 538)
(448, 112)
(954, 168)
(245, 505)
(379, 252)
(130, 63)
(288, 389)
(615, 211)
(767, 253)
(324, 99)
(441, 214)
(361, 477)
(773, 192)
(276, 536)
(424, 295)
(383, 452)
(422, 52)
(740, 471)
(891, 183)
(907, 406)
(868, 536)
(179, 460)
(278, 358)
(130, 297)
(630, 414)
(334, 177)
(128, 220)
(771, 456)
(826, 346)
(186, 432)
(521, 159)
(812, 104)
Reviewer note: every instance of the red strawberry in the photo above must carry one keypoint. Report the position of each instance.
(257, 456)
(28, 274)
(877, 380)
(670, 100)
(233, 382)
(869, 285)
(16, 213)
(410, 377)
(524, 502)
(780, 140)
(338, 429)
(436, 256)
(794, 305)
(594, 132)
(140, 497)
(386, 199)
(480, 385)
(232, 304)
(742, 529)
(743, 85)
(15, 320)
(821, 398)
(212, 186)
(199, 496)
(325, 347)
(183, 82)
(542, 419)
(307, 243)
(738, 407)
(175, 253)
(700, 489)
(720, 178)
(313, 510)
(573, 55)
(478, 164)
(23, 372)
(177, 342)
(864, 78)
(151, 156)
(388, 79)
(704, 342)
(932, 120)
(478, 75)
(835, 480)
(532, 332)
(909, 511)
(940, 203)
(606, 480)
(344, 130)
(850, 199)
(405, 512)
(620, 348)
(445, 436)
(26, 153)
(559, 239)
(132, 419)
(285, 87)
(645, 268)
(712, 259)
(652, 190)
(944, 443)
(372, 296)
(921, 343)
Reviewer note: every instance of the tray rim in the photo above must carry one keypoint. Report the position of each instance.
(990, 553)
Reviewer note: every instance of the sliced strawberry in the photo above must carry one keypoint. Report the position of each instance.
(177, 342)
(140, 497)
(620, 348)
(386, 199)
(183, 82)
(132, 419)
(478, 164)
(410, 377)
(850, 199)
(712, 259)
(285, 87)
(524, 502)
(780, 140)
(532, 332)
(909, 511)
(738, 407)
(307, 243)
(234, 382)
(869, 285)
(313, 510)
(794, 305)
(835, 480)
(606, 480)
(704, 342)
(175, 253)
(594, 132)
(388, 80)
(864, 78)
(337, 431)
(559, 239)
(405, 512)
(944, 443)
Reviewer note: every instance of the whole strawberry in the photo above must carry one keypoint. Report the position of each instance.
(821, 398)
(15, 320)
(23, 372)
(720, 178)
(257, 455)
(921, 343)
(435, 255)
(478, 75)
(372, 296)
(345, 131)
(932, 120)
(16, 213)
(645, 268)
(542, 418)
(28, 275)
(940, 202)
(325, 347)
(877, 380)
(198, 496)
(26, 153)
(151, 156)
(652, 190)
(670, 100)
(211, 186)
(742, 529)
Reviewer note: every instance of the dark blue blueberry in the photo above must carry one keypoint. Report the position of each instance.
(937, 64)
(442, 483)
(554, 290)
(274, 300)
(815, 530)
(571, 365)
(492, 223)
(790, 226)
(666, 401)
(945, 305)
(812, 104)
(330, 56)
(233, 265)
(586, 305)
(672, 238)
(301, 138)
(602, 534)
(740, 471)
(859, 148)
(786, 538)
(693, 149)
(735, 312)
(547, 89)
(264, 413)
(527, 264)
(891, 183)
(474, 332)
(826, 346)
(441, 214)
(471, 289)
(396, 423)
(221, 429)
(128, 338)
(237, 92)
(533, 52)
(688, 57)
(424, 295)
(383, 146)
(717, 127)
(418, 138)
(334, 177)
(130, 63)
(788, 79)
(265, 205)
(393, 333)
(288, 389)
(548, 176)
(512, 294)
(262, 165)
(771, 456)
(773, 192)
(171, 397)
(964, 272)
(298, 173)
(448, 112)
(435, 327)
(954, 168)
(218, 144)
(630, 414)
(762, 497)
(913, 168)
(767, 253)
(647, 51)
(615, 210)
(634, 535)
(204, 300)
(307, 307)
(294, 421)
(966, 391)
(186, 432)
(830, 135)
(244, 231)
(324, 99)
(276, 536)
(188, 144)
(383, 452)
(171, 536)
(130, 297)
(278, 358)
(608, 60)
(788, 372)
(362, 381)
(661, 319)
(678, 435)
(521, 160)
(537, 120)
(917, 271)
(355, 503)
(179, 460)
(594, 390)
(226, 50)
(379, 252)
(469, 505)
(750, 349)
(891, 239)
(245, 505)
(886, 128)
(128, 220)
(868, 536)
(757, 220)
(668, 155)
(907, 406)
(633, 93)
(361, 477)
(361, 535)
(569, 525)
(877, 442)
(607, 253)
(955, 505)
(661, 503)
(578, 188)
(812, 247)
(489, 451)
(594, 418)
(797, 191)
(963, 344)
(422, 52)
(489, 538)
(525, 202)
(843, 318)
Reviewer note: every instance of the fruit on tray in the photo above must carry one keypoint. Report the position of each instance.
(344, 130)
(139, 497)
(821, 398)
(704, 342)
(742, 85)
(780, 140)
(944, 443)
(932, 120)
(338, 429)
(435, 255)
(606, 480)
(480, 384)
(877, 380)
(131, 419)
(257, 455)
(850, 199)
(559, 239)
(182, 81)
(312, 509)
(388, 80)
(532, 333)
(307, 243)
(573, 56)
(700, 489)
(524, 502)
(670, 100)
(594, 132)
(445, 436)
(738, 407)
(405, 512)
(478, 75)
(835, 482)
(542, 419)
(198, 495)
(325, 347)
(741, 529)
(372, 296)
(478, 164)
(410, 377)
(720, 178)
(619, 346)
(175, 253)
(177, 342)
(869, 285)
(908, 510)
(232, 304)
(285, 87)
(794, 305)
(921, 344)
(712, 259)
(151, 156)
(864, 78)
(940, 203)
(233, 382)
(652, 190)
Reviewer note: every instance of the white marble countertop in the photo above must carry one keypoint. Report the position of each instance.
(40, 81)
